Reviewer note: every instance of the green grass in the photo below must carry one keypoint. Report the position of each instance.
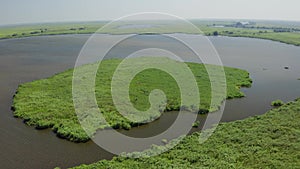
(271, 140)
(48, 103)
(284, 37)
(261, 30)
(8, 32)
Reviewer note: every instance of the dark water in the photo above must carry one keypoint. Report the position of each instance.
(24, 60)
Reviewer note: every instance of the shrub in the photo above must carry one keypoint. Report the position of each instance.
(196, 124)
(277, 103)
(215, 33)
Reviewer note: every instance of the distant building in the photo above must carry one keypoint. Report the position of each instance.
(245, 23)
(241, 24)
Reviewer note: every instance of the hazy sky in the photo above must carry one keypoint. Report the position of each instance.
(31, 11)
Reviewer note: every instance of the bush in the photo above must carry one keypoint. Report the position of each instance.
(277, 103)
(35, 32)
(196, 124)
(216, 33)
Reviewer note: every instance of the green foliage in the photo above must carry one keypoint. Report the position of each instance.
(196, 124)
(48, 103)
(271, 140)
(277, 103)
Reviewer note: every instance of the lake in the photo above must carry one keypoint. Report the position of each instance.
(27, 59)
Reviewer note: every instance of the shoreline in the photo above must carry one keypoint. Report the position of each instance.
(268, 129)
(91, 33)
(29, 119)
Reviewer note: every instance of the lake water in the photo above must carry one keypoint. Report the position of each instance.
(24, 60)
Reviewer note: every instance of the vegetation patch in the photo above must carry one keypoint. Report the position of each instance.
(277, 103)
(196, 124)
(284, 37)
(271, 140)
(48, 103)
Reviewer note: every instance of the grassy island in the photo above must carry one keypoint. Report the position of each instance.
(48, 103)
(271, 140)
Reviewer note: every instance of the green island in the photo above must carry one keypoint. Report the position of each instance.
(271, 140)
(48, 103)
(277, 31)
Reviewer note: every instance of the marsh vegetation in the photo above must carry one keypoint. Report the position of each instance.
(48, 103)
(266, 141)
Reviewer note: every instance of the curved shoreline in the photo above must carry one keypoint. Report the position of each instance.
(204, 34)
(261, 38)
(72, 131)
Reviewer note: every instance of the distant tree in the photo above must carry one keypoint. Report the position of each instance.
(35, 32)
(216, 33)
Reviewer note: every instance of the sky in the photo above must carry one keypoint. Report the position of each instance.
(39, 11)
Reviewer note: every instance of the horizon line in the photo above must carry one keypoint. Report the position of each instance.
(110, 20)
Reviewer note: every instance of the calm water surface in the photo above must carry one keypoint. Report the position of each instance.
(24, 60)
